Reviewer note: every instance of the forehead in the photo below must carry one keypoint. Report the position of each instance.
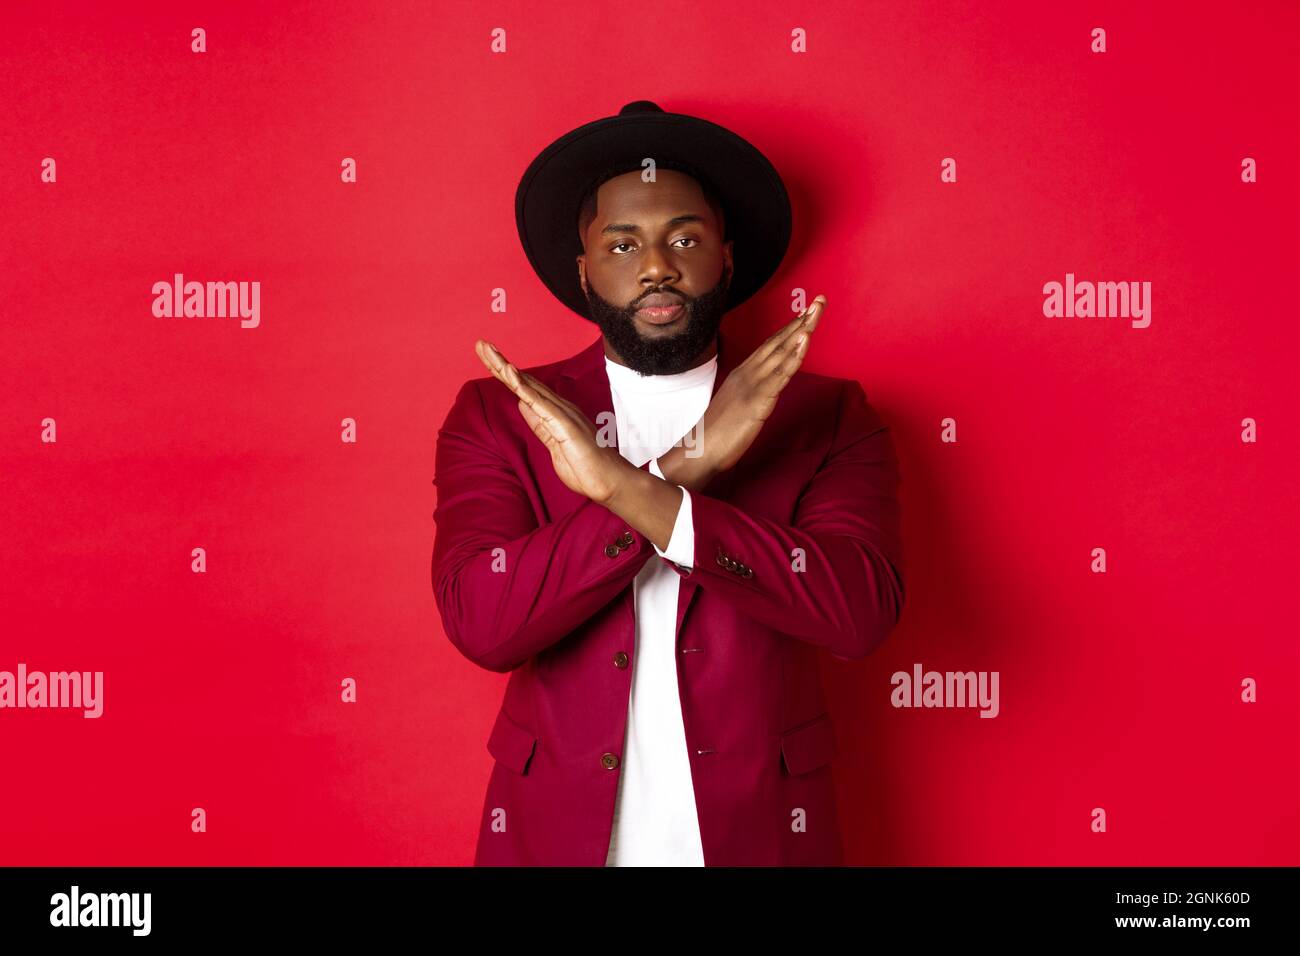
(672, 193)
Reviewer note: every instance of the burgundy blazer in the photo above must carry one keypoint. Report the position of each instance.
(797, 551)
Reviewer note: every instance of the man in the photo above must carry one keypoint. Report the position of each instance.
(659, 595)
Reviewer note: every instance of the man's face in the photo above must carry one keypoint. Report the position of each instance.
(655, 244)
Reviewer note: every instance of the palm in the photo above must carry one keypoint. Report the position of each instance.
(576, 455)
(571, 461)
(746, 399)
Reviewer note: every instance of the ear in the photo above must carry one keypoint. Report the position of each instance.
(582, 272)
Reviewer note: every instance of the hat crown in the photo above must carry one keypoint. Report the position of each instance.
(640, 106)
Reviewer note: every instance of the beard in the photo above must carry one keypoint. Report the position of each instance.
(663, 354)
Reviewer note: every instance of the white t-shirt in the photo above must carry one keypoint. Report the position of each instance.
(655, 818)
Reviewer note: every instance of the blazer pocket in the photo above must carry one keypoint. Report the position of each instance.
(808, 746)
(511, 744)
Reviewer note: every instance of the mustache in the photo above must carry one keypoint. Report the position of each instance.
(664, 292)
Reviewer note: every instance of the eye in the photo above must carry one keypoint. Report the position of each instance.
(690, 239)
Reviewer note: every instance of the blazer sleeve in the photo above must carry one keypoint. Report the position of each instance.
(835, 576)
(506, 586)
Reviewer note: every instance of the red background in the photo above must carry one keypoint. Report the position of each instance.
(1118, 690)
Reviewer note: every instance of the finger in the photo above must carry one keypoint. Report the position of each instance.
(780, 335)
(559, 401)
(506, 371)
(779, 360)
(813, 313)
(492, 358)
(489, 353)
(534, 422)
(533, 392)
(485, 356)
(781, 367)
(808, 316)
(543, 389)
(551, 414)
(551, 417)
(501, 368)
(549, 428)
(794, 357)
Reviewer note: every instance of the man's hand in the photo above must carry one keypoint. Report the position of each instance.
(742, 404)
(579, 460)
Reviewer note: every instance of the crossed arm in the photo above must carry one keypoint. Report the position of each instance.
(835, 576)
(507, 587)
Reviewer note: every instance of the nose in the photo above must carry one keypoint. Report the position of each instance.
(657, 267)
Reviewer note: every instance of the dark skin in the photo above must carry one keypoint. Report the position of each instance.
(635, 244)
(621, 265)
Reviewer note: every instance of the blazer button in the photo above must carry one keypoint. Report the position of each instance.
(609, 761)
(626, 539)
(748, 572)
(612, 551)
(722, 559)
(620, 660)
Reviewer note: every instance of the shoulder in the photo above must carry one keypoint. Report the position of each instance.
(825, 413)
(824, 388)
(814, 392)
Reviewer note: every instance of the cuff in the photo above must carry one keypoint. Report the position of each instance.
(681, 545)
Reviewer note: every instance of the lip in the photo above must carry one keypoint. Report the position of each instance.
(661, 314)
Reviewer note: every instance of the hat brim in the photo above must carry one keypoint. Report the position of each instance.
(751, 190)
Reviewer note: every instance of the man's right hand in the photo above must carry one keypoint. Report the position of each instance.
(743, 402)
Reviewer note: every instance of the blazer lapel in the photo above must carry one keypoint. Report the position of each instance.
(588, 384)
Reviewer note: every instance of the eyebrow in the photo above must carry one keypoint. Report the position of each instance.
(633, 227)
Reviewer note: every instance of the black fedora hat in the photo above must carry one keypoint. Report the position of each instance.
(753, 197)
